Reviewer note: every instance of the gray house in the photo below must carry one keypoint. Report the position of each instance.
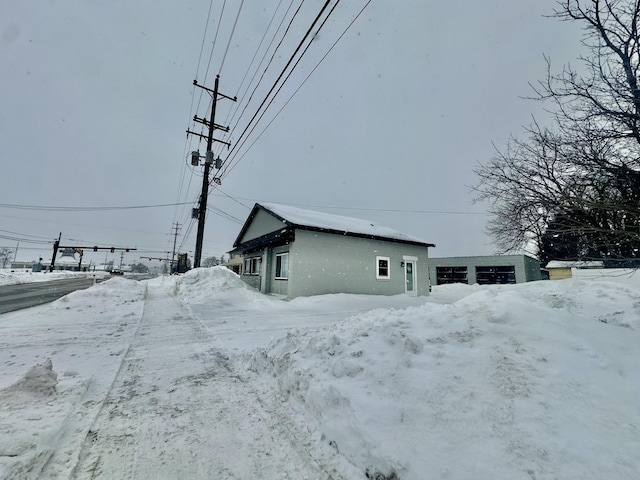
(485, 270)
(294, 252)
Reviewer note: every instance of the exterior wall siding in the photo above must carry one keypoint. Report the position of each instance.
(275, 285)
(262, 224)
(322, 263)
(532, 269)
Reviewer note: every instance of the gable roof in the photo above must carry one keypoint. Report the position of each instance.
(298, 218)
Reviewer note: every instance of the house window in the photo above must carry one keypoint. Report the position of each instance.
(252, 266)
(382, 268)
(282, 266)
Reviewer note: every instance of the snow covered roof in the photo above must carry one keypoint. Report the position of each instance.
(574, 264)
(327, 222)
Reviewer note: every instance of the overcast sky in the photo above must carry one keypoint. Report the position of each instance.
(96, 98)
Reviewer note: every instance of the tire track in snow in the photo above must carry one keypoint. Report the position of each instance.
(178, 409)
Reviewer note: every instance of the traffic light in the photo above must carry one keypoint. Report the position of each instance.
(113, 250)
(95, 248)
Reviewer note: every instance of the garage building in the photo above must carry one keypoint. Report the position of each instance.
(486, 270)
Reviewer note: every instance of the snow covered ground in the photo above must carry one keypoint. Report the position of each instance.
(8, 277)
(200, 377)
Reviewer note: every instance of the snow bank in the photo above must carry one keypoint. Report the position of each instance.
(534, 381)
(61, 359)
(39, 380)
(7, 277)
(218, 285)
(529, 381)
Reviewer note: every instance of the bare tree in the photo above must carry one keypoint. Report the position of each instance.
(5, 256)
(580, 181)
(211, 262)
(603, 98)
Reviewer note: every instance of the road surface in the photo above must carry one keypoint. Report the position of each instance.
(24, 295)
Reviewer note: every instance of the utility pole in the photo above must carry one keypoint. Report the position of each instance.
(202, 210)
(176, 229)
(56, 244)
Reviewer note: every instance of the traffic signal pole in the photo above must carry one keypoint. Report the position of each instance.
(56, 245)
(202, 210)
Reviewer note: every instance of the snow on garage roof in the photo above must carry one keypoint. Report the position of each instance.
(311, 219)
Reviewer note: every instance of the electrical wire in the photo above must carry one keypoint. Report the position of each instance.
(213, 46)
(237, 154)
(342, 207)
(275, 84)
(47, 208)
(239, 10)
(188, 140)
(204, 36)
(235, 24)
(248, 102)
(224, 57)
(26, 235)
(277, 92)
(255, 54)
(25, 240)
(224, 214)
(232, 198)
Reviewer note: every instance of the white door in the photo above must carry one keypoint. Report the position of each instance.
(410, 280)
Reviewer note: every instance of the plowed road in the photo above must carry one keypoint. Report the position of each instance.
(24, 295)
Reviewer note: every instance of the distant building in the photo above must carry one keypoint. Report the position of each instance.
(560, 269)
(235, 263)
(27, 266)
(295, 252)
(484, 270)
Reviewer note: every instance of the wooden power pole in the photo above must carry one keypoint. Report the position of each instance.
(202, 210)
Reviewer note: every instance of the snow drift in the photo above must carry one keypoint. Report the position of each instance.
(529, 381)
(533, 381)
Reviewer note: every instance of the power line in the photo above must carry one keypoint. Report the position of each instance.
(187, 142)
(229, 167)
(224, 214)
(86, 209)
(204, 36)
(213, 46)
(273, 87)
(232, 198)
(248, 102)
(25, 235)
(235, 23)
(370, 209)
(275, 12)
(25, 240)
(230, 159)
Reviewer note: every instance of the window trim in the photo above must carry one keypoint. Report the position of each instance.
(252, 266)
(378, 275)
(279, 257)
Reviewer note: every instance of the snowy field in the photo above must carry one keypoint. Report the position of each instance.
(200, 377)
